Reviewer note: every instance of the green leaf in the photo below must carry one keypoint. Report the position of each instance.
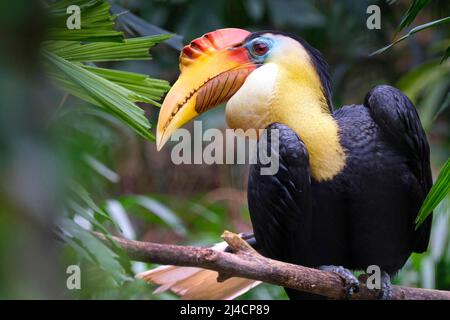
(83, 195)
(413, 10)
(130, 49)
(148, 89)
(96, 22)
(411, 32)
(423, 77)
(433, 102)
(438, 192)
(116, 92)
(158, 209)
(101, 168)
(97, 251)
(427, 86)
(77, 247)
(115, 99)
(446, 54)
(86, 35)
(86, 214)
(444, 106)
(144, 88)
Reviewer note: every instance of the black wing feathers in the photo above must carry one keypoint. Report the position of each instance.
(400, 123)
(280, 204)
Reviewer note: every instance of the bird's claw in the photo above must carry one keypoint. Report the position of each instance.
(351, 283)
(386, 287)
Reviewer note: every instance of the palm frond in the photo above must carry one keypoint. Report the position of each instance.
(114, 98)
(438, 192)
(414, 9)
(67, 53)
(96, 23)
(130, 49)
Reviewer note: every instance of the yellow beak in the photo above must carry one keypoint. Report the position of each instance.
(213, 68)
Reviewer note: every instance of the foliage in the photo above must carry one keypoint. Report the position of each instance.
(67, 53)
(115, 91)
(438, 192)
(96, 25)
(413, 31)
(441, 188)
(413, 10)
(428, 85)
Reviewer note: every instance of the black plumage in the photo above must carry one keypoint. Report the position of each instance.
(364, 215)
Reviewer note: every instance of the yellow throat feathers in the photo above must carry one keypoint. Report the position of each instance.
(298, 102)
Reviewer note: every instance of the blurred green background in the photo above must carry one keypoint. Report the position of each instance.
(63, 158)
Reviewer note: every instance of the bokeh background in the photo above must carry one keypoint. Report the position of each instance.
(48, 139)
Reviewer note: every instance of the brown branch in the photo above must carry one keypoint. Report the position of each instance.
(245, 262)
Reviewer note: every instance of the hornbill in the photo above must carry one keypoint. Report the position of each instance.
(350, 182)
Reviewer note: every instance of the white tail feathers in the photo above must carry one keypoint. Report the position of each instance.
(197, 284)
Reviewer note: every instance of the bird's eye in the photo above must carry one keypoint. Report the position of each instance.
(260, 48)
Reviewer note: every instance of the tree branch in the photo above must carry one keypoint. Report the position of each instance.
(246, 262)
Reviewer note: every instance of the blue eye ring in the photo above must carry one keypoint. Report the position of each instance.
(259, 47)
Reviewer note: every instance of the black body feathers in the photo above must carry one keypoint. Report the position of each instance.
(363, 216)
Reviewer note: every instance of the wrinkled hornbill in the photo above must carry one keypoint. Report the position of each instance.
(350, 182)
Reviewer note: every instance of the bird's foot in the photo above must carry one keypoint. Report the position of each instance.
(386, 287)
(249, 238)
(351, 283)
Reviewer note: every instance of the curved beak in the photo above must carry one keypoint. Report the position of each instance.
(213, 67)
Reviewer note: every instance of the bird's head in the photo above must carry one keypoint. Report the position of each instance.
(252, 72)
(264, 77)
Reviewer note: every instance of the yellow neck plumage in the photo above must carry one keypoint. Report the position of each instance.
(287, 90)
(301, 105)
